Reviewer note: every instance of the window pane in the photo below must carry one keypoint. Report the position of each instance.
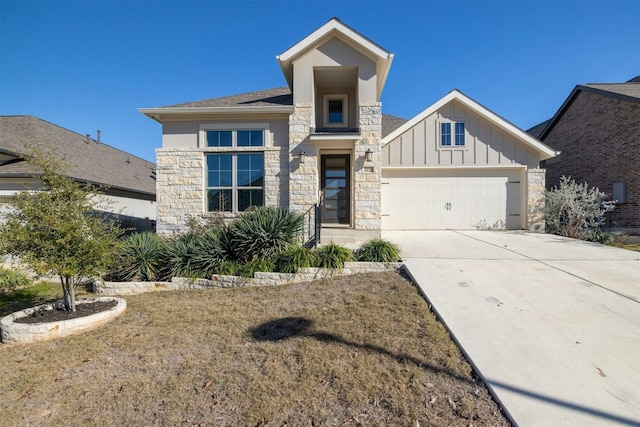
(250, 170)
(219, 138)
(218, 200)
(445, 133)
(459, 133)
(335, 111)
(248, 198)
(219, 170)
(250, 138)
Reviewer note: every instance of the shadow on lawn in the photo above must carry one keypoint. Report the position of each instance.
(289, 327)
(20, 299)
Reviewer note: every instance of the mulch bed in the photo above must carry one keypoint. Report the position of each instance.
(55, 315)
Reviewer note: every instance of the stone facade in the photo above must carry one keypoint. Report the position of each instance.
(599, 137)
(180, 188)
(535, 200)
(368, 175)
(303, 177)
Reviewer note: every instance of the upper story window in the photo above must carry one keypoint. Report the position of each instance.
(335, 112)
(446, 137)
(235, 138)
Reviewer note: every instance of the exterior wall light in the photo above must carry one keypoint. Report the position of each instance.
(368, 155)
(302, 156)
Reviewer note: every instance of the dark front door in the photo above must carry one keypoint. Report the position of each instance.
(334, 182)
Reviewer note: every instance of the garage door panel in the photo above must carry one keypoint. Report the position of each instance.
(441, 202)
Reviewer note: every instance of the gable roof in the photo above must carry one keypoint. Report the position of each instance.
(267, 100)
(88, 161)
(629, 91)
(545, 151)
(336, 28)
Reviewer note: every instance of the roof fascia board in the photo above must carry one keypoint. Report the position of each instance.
(155, 113)
(545, 151)
(326, 30)
(574, 93)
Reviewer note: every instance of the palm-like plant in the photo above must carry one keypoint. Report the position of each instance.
(140, 258)
(263, 232)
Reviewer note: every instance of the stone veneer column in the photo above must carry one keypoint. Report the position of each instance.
(535, 200)
(179, 188)
(367, 187)
(303, 178)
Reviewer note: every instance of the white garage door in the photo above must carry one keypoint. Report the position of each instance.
(476, 199)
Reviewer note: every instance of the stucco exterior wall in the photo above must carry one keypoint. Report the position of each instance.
(599, 137)
(485, 144)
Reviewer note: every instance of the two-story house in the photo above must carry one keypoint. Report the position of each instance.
(323, 140)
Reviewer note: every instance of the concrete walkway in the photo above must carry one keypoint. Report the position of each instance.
(551, 324)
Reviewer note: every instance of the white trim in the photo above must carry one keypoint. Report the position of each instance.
(334, 136)
(345, 110)
(156, 113)
(482, 167)
(545, 151)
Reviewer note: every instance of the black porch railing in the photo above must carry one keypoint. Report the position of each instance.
(311, 226)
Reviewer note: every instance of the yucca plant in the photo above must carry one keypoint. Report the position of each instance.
(333, 255)
(378, 250)
(294, 259)
(140, 258)
(178, 254)
(262, 232)
(208, 252)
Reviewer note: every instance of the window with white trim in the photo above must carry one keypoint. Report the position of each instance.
(335, 110)
(234, 178)
(446, 136)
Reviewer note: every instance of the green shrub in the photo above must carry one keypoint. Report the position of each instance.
(574, 210)
(333, 256)
(11, 279)
(208, 252)
(378, 250)
(294, 259)
(263, 232)
(228, 268)
(178, 255)
(248, 268)
(140, 258)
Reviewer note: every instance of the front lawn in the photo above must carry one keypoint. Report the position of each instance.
(353, 350)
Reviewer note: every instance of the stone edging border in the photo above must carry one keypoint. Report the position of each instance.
(32, 332)
(259, 279)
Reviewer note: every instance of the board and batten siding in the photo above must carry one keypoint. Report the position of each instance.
(486, 144)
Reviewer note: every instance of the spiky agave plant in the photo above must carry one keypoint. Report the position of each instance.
(140, 258)
(262, 232)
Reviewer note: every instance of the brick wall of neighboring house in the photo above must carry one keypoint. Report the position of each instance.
(599, 137)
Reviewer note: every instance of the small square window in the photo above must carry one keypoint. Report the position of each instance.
(335, 111)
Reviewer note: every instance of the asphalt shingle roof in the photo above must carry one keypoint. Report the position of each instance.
(628, 89)
(272, 97)
(88, 161)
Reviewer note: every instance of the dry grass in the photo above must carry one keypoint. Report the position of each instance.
(359, 350)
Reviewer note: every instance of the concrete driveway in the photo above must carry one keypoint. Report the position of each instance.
(551, 324)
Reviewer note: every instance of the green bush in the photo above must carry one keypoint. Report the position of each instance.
(248, 268)
(263, 232)
(208, 252)
(11, 279)
(140, 258)
(333, 256)
(294, 259)
(378, 250)
(178, 254)
(574, 210)
(228, 268)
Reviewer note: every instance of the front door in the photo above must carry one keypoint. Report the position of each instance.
(334, 183)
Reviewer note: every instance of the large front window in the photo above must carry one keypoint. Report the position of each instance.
(235, 181)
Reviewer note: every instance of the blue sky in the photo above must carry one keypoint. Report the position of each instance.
(88, 65)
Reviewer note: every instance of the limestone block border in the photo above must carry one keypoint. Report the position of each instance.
(259, 279)
(32, 332)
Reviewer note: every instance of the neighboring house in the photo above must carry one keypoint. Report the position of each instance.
(597, 130)
(129, 180)
(324, 140)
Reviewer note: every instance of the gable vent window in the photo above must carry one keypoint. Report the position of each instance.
(446, 139)
(335, 111)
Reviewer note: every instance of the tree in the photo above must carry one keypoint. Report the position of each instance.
(574, 210)
(56, 230)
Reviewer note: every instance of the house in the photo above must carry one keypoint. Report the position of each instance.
(129, 180)
(323, 140)
(597, 129)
